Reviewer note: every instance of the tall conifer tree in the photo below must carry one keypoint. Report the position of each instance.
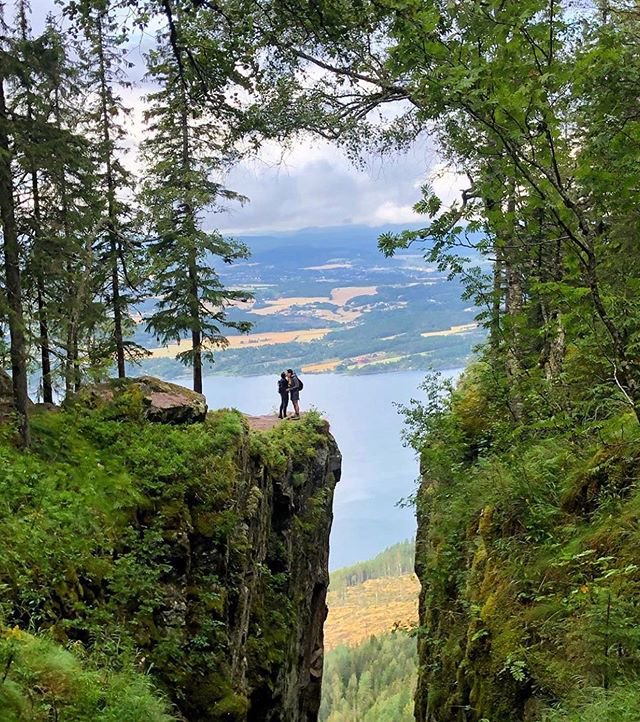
(9, 67)
(117, 239)
(184, 156)
(37, 147)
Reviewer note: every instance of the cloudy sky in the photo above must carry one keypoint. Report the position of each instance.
(311, 185)
(315, 185)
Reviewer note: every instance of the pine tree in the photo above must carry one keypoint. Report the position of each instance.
(184, 154)
(117, 244)
(36, 146)
(71, 207)
(9, 66)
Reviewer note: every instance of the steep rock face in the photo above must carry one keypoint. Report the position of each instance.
(527, 558)
(204, 547)
(276, 590)
(288, 531)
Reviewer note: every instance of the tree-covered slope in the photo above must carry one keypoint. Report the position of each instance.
(394, 561)
(371, 682)
(370, 665)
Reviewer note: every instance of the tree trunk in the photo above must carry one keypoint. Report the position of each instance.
(75, 357)
(71, 340)
(196, 341)
(12, 277)
(196, 333)
(112, 222)
(496, 303)
(68, 362)
(117, 312)
(555, 333)
(190, 226)
(45, 357)
(514, 297)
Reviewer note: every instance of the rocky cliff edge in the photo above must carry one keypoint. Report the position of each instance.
(195, 553)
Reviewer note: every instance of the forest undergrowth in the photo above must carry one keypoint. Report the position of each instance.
(527, 555)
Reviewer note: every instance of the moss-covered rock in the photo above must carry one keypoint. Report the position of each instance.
(196, 553)
(527, 555)
(153, 399)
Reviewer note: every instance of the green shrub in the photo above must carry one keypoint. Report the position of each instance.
(42, 681)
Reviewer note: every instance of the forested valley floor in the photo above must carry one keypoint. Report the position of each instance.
(370, 664)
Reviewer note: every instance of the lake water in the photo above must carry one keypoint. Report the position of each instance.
(377, 469)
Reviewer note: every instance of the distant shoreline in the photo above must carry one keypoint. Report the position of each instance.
(454, 372)
(381, 369)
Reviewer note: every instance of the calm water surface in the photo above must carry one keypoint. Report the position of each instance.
(377, 469)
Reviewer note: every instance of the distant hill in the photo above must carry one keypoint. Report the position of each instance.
(372, 597)
(329, 237)
(394, 561)
(371, 608)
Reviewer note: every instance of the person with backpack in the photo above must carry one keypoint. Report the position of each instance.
(283, 390)
(295, 386)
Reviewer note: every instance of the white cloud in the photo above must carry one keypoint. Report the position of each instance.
(314, 185)
(447, 183)
(311, 183)
(390, 212)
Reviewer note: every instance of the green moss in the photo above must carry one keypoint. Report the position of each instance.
(232, 707)
(528, 557)
(129, 542)
(43, 681)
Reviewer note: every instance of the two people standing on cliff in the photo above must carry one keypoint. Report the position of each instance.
(289, 386)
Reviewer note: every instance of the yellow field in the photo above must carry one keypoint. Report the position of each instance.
(251, 340)
(340, 296)
(321, 367)
(464, 328)
(282, 304)
(371, 608)
(340, 315)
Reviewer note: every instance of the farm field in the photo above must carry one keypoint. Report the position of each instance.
(330, 302)
(252, 340)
